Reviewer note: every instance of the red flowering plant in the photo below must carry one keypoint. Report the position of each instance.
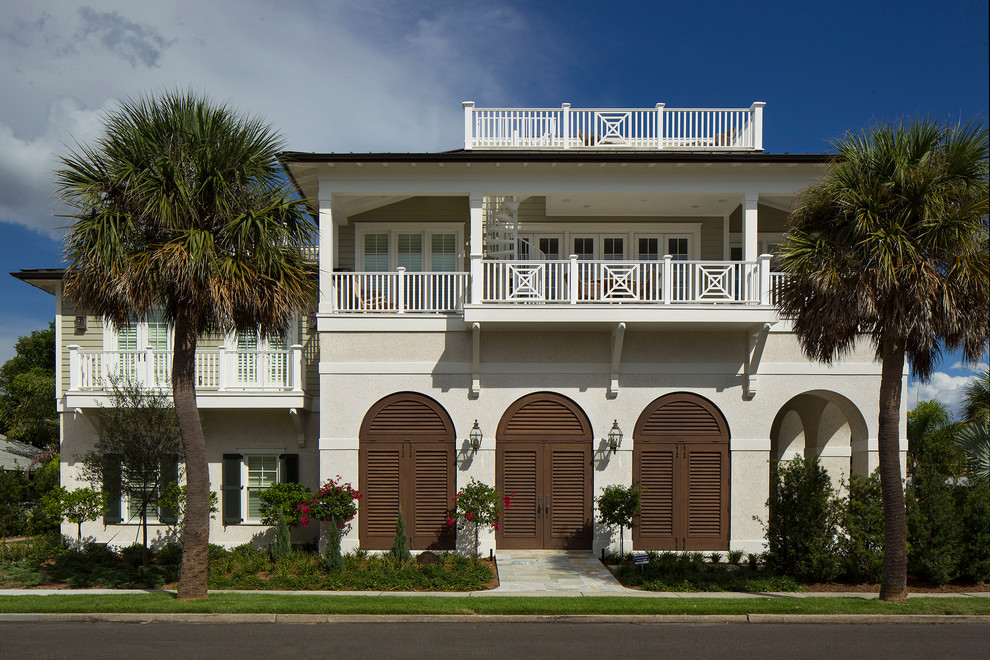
(480, 505)
(335, 501)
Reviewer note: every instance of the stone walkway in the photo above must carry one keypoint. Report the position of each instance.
(558, 572)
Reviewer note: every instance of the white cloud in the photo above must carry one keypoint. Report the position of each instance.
(941, 387)
(376, 75)
(973, 367)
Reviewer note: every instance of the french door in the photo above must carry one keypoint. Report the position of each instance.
(552, 484)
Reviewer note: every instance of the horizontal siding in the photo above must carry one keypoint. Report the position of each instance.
(90, 339)
(345, 247)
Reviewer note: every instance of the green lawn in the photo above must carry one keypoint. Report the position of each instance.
(316, 604)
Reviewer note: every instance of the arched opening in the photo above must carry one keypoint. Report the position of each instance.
(681, 458)
(543, 455)
(824, 425)
(406, 459)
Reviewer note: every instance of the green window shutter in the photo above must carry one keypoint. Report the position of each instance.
(111, 489)
(231, 489)
(170, 475)
(289, 468)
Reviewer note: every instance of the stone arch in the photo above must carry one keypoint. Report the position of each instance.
(822, 424)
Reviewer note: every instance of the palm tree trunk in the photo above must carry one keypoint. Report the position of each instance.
(893, 585)
(196, 524)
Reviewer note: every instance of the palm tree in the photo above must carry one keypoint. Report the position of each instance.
(974, 435)
(976, 399)
(891, 247)
(181, 207)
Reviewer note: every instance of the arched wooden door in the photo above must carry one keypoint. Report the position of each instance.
(681, 458)
(543, 455)
(406, 458)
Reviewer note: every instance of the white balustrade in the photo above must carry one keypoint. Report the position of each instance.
(399, 292)
(706, 129)
(777, 282)
(214, 370)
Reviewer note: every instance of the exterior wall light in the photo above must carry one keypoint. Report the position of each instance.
(614, 436)
(474, 437)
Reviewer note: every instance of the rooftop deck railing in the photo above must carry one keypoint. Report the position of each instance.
(658, 128)
(218, 370)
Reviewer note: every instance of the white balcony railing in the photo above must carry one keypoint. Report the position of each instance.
(218, 370)
(399, 292)
(658, 128)
(570, 281)
(665, 282)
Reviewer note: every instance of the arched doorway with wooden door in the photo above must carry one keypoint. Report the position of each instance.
(543, 451)
(681, 459)
(406, 458)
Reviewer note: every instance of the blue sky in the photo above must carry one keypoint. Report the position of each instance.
(387, 75)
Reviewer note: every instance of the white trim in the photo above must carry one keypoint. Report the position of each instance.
(214, 400)
(390, 323)
(262, 452)
(393, 229)
(58, 340)
(749, 444)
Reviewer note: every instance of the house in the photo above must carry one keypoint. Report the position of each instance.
(577, 298)
(15, 455)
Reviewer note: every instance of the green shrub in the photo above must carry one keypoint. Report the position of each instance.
(282, 545)
(715, 557)
(803, 522)
(400, 545)
(170, 554)
(333, 561)
(862, 545)
(934, 528)
(735, 556)
(283, 499)
(975, 505)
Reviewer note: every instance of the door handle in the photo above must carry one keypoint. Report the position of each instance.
(539, 506)
(546, 510)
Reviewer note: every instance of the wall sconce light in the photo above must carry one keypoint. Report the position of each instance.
(80, 323)
(614, 436)
(474, 437)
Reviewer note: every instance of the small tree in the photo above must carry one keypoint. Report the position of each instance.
(282, 546)
(283, 499)
(619, 506)
(76, 506)
(400, 546)
(480, 505)
(140, 434)
(862, 544)
(174, 500)
(335, 504)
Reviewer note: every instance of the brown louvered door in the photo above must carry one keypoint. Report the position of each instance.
(419, 475)
(518, 472)
(654, 470)
(380, 474)
(551, 506)
(706, 509)
(567, 476)
(428, 493)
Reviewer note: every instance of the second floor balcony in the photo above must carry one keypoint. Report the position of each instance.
(654, 289)
(256, 378)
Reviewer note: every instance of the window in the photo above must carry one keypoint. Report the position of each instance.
(613, 249)
(410, 252)
(677, 248)
(649, 249)
(262, 473)
(134, 498)
(121, 501)
(258, 472)
(376, 252)
(443, 253)
(584, 248)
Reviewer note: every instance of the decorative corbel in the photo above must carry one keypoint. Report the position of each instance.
(618, 332)
(757, 341)
(297, 420)
(475, 391)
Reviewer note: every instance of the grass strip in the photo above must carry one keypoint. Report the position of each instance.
(319, 604)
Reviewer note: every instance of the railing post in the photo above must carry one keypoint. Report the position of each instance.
(221, 369)
(468, 124)
(75, 368)
(660, 107)
(757, 110)
(572, 280)
(400, 290)
(764, 269)
(477, 279)
(566, 128)
(149, 367)
(296, 360)
(668, 272)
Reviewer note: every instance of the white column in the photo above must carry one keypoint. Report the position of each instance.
(75, 367)
(326, 254)
(726, 247)
(565, 115)
(468, 123)
(757, 109)
(476, 247)
(295, 355)
(572, 280)
(750, 230)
